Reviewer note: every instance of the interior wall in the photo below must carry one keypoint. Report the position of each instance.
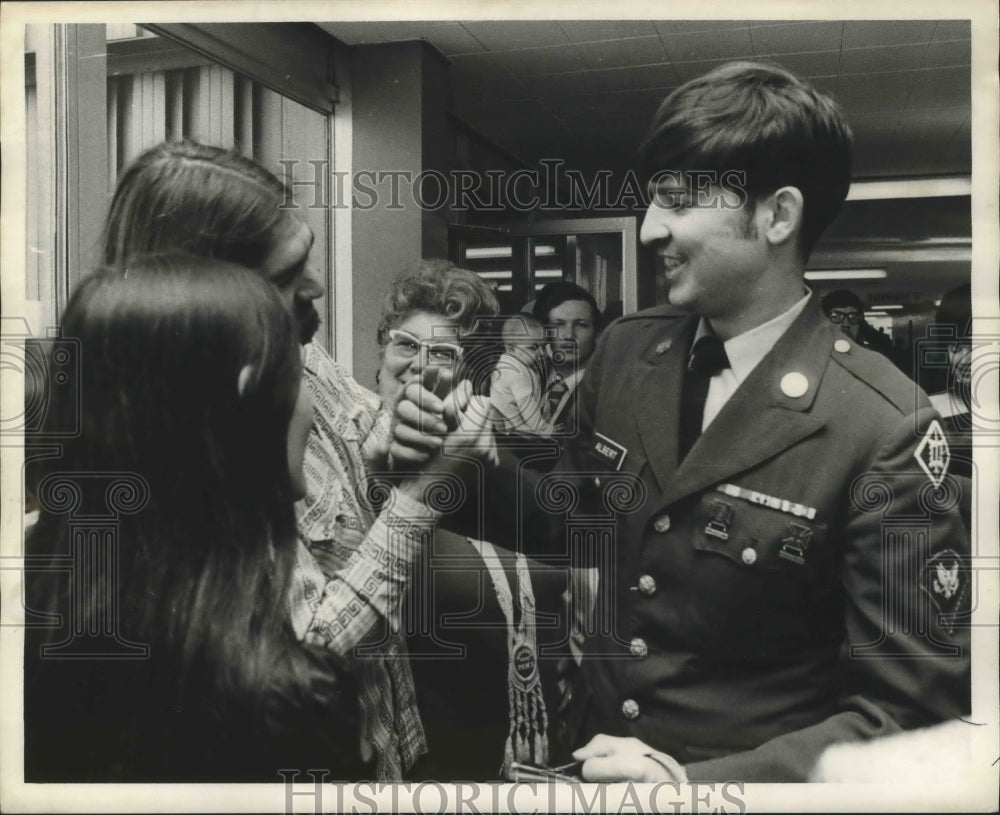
(399, 101)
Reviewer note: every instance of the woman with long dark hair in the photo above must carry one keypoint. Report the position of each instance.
(346, 579)
(170, 655)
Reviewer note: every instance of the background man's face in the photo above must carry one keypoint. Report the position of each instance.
(848, 318)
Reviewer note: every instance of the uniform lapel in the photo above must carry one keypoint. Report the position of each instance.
(656, 403)
(762, 418)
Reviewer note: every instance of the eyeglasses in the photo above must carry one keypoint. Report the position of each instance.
(852, 317)
(407, 346)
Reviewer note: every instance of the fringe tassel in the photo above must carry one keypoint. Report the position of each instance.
(527, 737)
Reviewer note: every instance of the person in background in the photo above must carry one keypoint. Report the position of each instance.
(845, 309)
(519, 376)
(216, 203)
(195, 417)
(572, 311)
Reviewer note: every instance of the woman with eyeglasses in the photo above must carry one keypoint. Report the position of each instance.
(426, 314)
(470, 611)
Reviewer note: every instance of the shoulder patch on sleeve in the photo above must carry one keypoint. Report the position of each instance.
(945, 580)
(932, 453)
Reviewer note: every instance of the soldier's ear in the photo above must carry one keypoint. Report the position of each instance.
(784, 216)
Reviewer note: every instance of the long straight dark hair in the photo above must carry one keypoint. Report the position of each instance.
(206, 200)
(203, 567)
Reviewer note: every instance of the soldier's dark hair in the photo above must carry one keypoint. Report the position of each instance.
(764, 121)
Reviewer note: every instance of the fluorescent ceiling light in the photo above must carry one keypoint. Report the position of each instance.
(888, 308)
(484, 252)
(487, 252)
(846, 274)
(910, 188)
(495, 275)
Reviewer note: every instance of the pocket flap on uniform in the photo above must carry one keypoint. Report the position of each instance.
(758, 536)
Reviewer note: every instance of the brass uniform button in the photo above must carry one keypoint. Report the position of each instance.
(638, 647)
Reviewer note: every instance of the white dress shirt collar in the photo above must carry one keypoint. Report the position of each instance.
(746, 350)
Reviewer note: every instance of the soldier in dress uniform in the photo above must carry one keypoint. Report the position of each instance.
(790, 571)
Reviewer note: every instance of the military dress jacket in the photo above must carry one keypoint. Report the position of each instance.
(800, 579)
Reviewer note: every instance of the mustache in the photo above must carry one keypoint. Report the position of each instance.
(308, 320)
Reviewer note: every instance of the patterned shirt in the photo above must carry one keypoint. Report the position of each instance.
(353, 562)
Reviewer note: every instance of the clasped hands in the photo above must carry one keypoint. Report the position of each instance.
(436, 425)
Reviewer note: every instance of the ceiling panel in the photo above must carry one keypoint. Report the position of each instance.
(792, 38)
(690, 26)
(638, 77)
(530, 62)
(945, 54)
(941, 86)
(501, 35)
(453, 38)
(868, 33)
(890, 92)
(731, 43)
(809, 64)
(880, 60)
(953, 30)
(690, 70)
(356, 33)
(592, 30)
(576, 83)
(608, 76)
(621, 53)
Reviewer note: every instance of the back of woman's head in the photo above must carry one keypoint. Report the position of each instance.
(162, 349)
(189, 374)
(209, 201)
(190, 371)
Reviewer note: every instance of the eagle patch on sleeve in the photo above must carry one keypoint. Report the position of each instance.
(946, 581)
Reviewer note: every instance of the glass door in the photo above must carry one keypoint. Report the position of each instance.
(599, 254)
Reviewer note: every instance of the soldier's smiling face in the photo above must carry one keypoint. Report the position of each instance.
(710, 253)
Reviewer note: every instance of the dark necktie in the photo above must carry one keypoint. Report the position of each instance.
(553, 396)
(708, 357)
